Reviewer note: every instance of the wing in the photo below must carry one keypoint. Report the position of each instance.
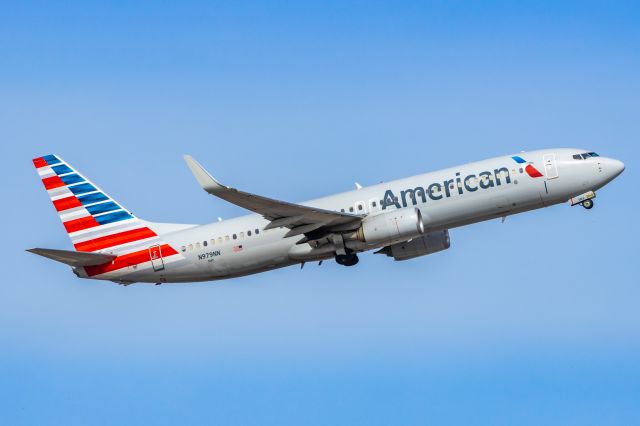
(300, 219)
(74, 258)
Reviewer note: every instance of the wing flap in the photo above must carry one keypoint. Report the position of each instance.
(73, 258)
(304, 229)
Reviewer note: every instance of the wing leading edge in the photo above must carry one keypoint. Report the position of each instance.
(299, 218)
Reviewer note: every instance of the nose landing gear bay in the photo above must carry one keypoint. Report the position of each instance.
(586, 200)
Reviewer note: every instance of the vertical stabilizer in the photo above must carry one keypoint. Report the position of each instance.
(95, 222)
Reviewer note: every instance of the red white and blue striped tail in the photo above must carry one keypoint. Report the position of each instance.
(94, 221)
(83, 208)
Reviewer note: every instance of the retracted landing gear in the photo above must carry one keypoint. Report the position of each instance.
(587, 204)
(350, 259)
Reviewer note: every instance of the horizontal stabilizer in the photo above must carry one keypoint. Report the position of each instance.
(74, 258)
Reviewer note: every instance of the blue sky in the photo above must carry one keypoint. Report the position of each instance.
(534, 321)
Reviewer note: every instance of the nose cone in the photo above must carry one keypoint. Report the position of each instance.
(615, 167)
(610, 169)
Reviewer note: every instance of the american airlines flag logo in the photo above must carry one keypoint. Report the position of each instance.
(531, 171)
(237, 249)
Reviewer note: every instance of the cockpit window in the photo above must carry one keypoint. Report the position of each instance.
(585, 155)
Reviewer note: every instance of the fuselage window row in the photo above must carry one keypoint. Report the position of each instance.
(205, 243)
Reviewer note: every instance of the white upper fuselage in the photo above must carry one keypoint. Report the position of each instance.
(446, 198)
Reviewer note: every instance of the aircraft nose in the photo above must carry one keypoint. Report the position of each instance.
(616, 167)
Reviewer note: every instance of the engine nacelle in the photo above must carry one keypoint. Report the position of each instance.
(391, 227)
(431, 243)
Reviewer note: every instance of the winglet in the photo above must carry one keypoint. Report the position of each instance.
(206, 181)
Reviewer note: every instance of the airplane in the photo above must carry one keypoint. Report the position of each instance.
(403, 219)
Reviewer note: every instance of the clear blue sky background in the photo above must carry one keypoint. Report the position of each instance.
(535, 321)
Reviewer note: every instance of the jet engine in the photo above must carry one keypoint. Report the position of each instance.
(430, 243)
(394, 226)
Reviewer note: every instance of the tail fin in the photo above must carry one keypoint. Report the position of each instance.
(93, 220)
(97, 223)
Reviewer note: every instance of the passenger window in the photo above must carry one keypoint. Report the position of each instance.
(374, 204)
(257, 231)
(219, 240)
(204, 243)
(226, 238)
(213, 241)
(521, 171)
(359, 206)
(248, 233)
(190, 247)
(198, 245)
(241, 235)
(235, 237)
(342, 210)
(351, 209)
(183, 248)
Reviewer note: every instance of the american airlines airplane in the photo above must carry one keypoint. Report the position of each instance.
(402, 219)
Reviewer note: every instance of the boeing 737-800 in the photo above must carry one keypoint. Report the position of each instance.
(402, 219)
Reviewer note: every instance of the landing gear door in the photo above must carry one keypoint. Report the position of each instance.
(550, 166)
(155, 253)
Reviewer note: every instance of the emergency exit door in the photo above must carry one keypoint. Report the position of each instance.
(155, 253)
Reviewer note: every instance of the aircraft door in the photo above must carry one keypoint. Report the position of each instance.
(155, 253)
(550, 166)
(552, 191)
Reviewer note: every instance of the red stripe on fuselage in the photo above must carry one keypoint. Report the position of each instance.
(80, 224)
(52, 182)
(533, 172)
(115, 239)
(39, 162)
(66, 203)
(127, 260)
